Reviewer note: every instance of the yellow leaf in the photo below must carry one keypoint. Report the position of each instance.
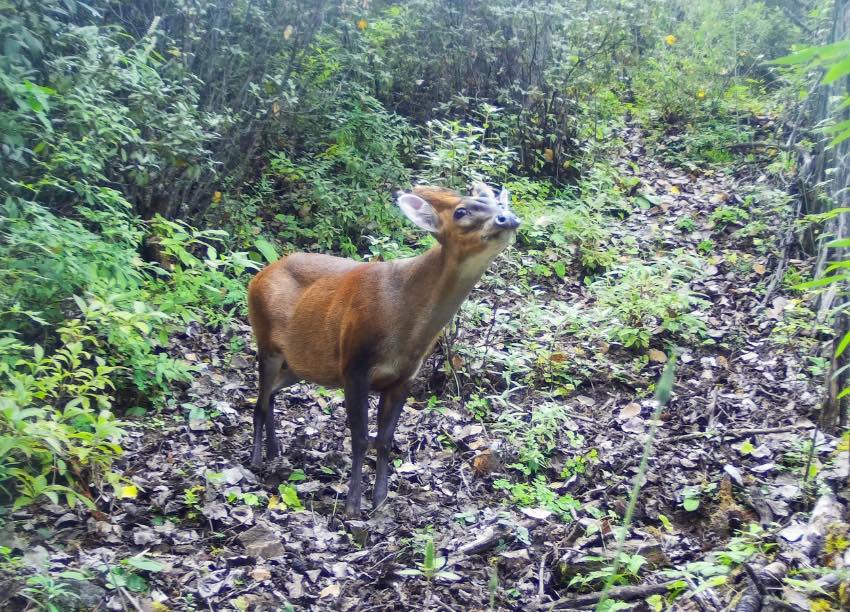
(128, 491)
(701, 94)
(362, 24)
(670, 39)
(549, 154)
(759, 268)
(274, 502)
(675, 190)
(216, 197)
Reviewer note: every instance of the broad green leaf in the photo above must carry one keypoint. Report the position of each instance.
(690, 503)
(267, 249)
(145, 564)
(839, 70)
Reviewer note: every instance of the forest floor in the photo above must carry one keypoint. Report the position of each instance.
(731, 447)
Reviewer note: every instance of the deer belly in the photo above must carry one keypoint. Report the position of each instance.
(388, 373)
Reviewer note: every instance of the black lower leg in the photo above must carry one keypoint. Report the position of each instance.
(269, 367)
(357, 409)
(389, 411)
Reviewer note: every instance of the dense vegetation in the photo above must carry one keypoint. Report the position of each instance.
(155, 154)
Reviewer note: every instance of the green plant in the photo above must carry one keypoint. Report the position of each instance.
(705, 246)
(624, 569)
(537, 493)
(131, 573)
(638, 302)
(288, 497)
(55, 421)
(431, 566)
(460, 153)
(691, 496)
(729, 215)
(50, 593)
(686, 224)
(534, 437)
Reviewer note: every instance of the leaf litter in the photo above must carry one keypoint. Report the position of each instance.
(221, 536)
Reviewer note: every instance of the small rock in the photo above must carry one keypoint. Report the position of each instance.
(262, 541)
(260, 573)
(36, 557)
(144, 536)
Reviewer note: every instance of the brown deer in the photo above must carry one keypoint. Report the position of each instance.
(368, 326)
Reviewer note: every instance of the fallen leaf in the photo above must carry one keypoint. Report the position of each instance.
(332, 590)
(657, 356)
(541, 514)
(629, 411)
(128, 491)
(759, 268)
(485, 464)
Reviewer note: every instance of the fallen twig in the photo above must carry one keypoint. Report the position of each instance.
(735, 433)
(622, 593)
(490, 538)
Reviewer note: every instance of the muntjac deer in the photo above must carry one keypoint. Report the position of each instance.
(368, 326)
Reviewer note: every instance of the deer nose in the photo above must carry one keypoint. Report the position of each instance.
(507, 220)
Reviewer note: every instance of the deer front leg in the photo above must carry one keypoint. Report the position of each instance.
(357, 410)
(389, 411)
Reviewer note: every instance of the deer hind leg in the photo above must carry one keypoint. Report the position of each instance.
(270, 368)
(283, 379)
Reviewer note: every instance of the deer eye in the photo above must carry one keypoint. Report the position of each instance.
(460, 212)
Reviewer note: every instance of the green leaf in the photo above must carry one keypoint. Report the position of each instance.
(289, 497)
(560, 269)
(819, 282)
(136, 583)
(838, 244)
(267, 249)
(839, 70)
(843, 344)
(145, 564)
(690, 503)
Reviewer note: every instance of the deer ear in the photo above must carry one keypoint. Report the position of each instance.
(505, 198)
(481, 189)
(419, 211)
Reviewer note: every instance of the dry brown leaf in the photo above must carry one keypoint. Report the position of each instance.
(485, 464)
(630, 410)
(657, 356)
